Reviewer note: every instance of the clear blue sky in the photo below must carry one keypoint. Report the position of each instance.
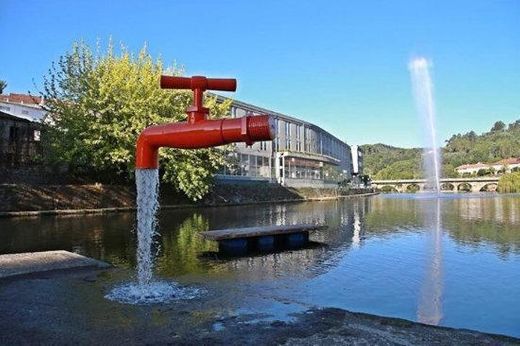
(339, 64)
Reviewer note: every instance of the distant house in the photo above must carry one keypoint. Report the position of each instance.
(23, 106)
(471, 168)
(19, 140)
(505, 165)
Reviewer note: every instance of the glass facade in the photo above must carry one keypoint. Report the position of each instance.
(309, 153)
(248, 165)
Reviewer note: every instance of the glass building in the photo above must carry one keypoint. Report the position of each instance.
(302, 155)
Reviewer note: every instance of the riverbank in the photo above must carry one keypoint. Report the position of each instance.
(69, 308)
(38, 200)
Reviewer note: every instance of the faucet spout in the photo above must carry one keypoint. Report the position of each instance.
(199, 132)
(202, 134)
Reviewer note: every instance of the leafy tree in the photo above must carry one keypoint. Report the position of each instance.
(100, 102)
(509, 183)
(514, 126)
(448, 171)
(485, 171)
(3, 85)
(405, 169)
(498, 126)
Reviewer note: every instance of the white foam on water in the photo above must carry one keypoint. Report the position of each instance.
(151, 293)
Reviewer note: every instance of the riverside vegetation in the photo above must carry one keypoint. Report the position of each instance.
(100, 101)
(501, 142)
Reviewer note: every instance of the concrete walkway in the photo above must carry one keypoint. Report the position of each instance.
(35, 262)
(70, 309)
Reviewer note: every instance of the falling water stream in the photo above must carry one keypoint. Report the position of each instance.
(147, 290)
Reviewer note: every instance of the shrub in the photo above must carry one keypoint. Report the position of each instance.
(509, 183)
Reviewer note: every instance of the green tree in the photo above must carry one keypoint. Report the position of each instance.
(498, 126)
(509, 183)
(3, 85)
(448, 171)
(100, 102)
(485, 171)
(514, 126)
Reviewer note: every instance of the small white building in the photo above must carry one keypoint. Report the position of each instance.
(471, 168)
(23, 106)
(505, 165)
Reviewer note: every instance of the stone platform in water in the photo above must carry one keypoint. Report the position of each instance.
(238, 241)
(37, 262)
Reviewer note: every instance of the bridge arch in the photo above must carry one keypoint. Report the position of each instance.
(491, 187)
(464, 187)
(447, 187)
(388, 188)
(429, 187)
(412, 188)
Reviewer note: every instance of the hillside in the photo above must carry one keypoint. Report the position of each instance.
(386, 162)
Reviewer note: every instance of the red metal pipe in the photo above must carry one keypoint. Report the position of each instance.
(199, 132)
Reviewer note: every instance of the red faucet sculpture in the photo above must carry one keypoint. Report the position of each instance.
(199, 131)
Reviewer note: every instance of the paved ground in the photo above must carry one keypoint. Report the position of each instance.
(69, 308)
(34, 262)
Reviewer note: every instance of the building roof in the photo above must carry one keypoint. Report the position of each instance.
(8, 116)
(262, 110)
(22, 99)
(504, 162)
(474, 166)
(509, 161)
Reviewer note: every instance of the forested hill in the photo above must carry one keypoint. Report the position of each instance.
(386, 162)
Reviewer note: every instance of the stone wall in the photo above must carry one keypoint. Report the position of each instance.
(27, 197)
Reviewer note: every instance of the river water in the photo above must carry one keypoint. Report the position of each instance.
(453, 261)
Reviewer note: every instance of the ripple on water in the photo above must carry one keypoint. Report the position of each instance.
(152, 293)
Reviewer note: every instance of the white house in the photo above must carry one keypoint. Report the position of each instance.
(23, 106)
(506, 165)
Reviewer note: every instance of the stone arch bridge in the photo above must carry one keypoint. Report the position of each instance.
(447, 184)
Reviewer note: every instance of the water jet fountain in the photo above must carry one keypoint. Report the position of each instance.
(429, 309)
(195, 133)
(423, 93)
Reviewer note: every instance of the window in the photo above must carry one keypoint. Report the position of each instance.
(5, 108)
(25, 112)
(287, 136)
(239, 112)
(298, 138)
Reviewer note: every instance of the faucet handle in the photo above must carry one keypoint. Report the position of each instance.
(198, 82)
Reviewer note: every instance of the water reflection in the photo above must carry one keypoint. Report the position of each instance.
(453, 261)
(430, 305)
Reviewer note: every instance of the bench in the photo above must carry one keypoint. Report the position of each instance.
(237, 241)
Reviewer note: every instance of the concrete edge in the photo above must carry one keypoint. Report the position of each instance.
(52, 212)
(30, 263)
